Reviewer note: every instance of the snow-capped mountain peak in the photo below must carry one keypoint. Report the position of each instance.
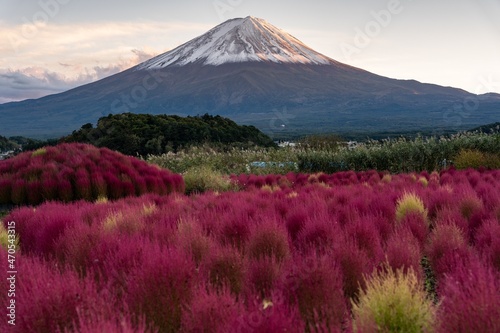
(240, 40)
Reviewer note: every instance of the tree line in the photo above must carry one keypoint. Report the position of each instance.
(145, 134)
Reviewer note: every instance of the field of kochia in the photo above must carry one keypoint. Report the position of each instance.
(342, 252)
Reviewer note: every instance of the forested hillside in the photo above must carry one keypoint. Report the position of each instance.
(6, 144)
(145, 134)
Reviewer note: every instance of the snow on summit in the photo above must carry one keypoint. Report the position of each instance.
(240, 40)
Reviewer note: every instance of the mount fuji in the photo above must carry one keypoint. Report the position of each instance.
(255, 73)
(237, 41)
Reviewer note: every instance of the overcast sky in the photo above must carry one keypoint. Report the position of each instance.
(48, 46)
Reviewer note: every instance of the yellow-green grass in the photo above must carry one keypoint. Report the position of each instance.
(393, 301)
(410, 203)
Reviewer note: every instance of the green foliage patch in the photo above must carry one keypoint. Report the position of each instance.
(143, 134)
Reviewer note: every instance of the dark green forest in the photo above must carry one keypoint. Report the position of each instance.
(144, 134)
(490, 128)
(6, 144)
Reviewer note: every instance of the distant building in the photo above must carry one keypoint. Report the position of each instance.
(284, 144)
(6, 155)
(352, 145)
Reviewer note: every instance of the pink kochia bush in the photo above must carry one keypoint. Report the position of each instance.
(295, 255)
(71, 172)
(471, 300)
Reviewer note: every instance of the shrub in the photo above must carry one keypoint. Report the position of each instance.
(354, 264)
(268, 240)
(5, 240)
(203, 178)
(393, 302)
(263, 276)
(160, 287)
(315, 285)
(70, 172)
(192, 240)
(286, 262)
(234, 231)
(210, 311)
(474, 159)
(295, 222)
(34, 192)
(39, 230)
(446, 249)
(318, 234)
(403, 253)
(417, 225)
(470, 205)
(48, 300)
(367, 238)
(269, 316)
(113, 325)
(225, 269)
(83, 185)
(5, 190)
(18, 194)
(410, 203)
(471, 300)
(487, 241)
(39, 152)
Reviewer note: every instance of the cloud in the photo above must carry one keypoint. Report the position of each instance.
(36, 82)
(58, 57)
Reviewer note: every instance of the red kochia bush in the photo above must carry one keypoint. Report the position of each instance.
(315, 285)
(403, 252)
(446, 249)
(38, 232)
(160, 288)
(252, 261)
(78, 171)
(49, 300)
(210, 311)
(471, 300)
(487, 242)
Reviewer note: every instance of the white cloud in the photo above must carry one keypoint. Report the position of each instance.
(35, 82)
(60, 57)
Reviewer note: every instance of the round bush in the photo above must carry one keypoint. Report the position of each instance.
(70, 172)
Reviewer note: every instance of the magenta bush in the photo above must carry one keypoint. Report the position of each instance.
(470, 300)
(446, 249)
(70, 172)
(160, 287)
(403, 251)
(315, 285)
(289, 260)
(487, 241)
(39, 230)
(49, 300)
(210, 311)
(268, 317)
(263, 276)
(354, 264)
(270, 240)
(225, 269)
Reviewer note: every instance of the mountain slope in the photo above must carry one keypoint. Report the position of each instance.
(240, 40)
(256, 74)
